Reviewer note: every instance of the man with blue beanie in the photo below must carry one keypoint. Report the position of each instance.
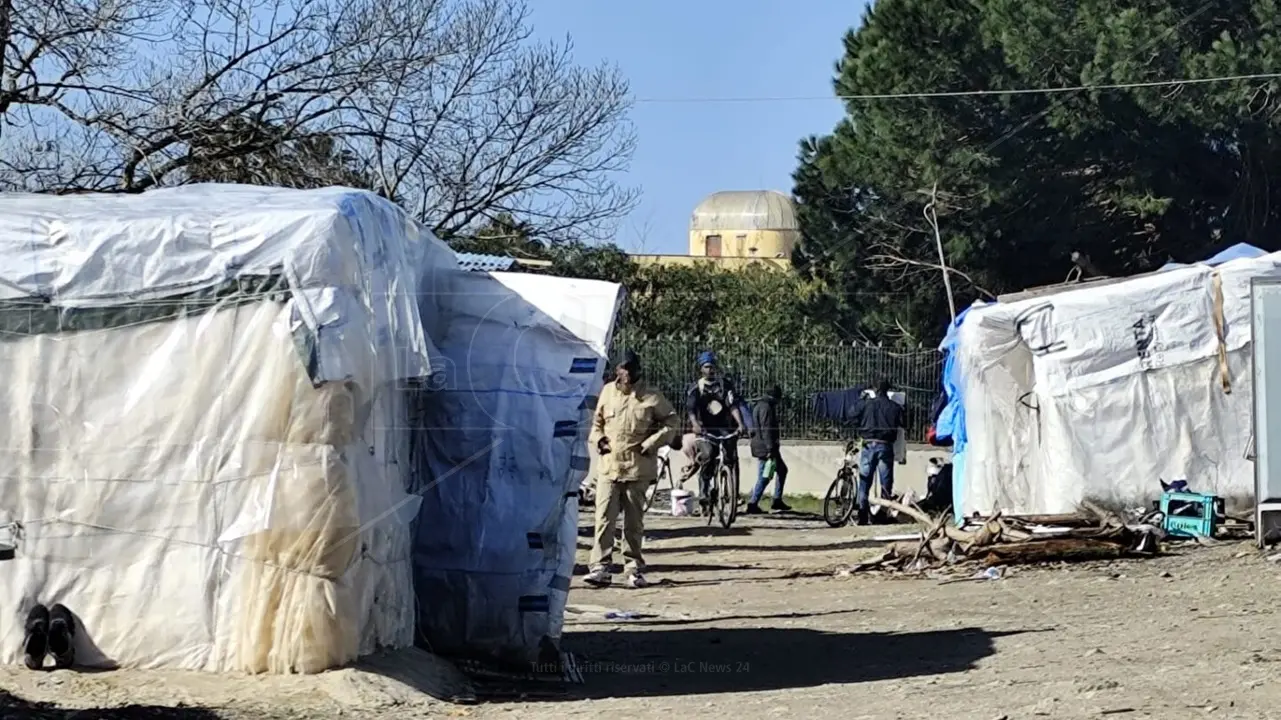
(713, 408)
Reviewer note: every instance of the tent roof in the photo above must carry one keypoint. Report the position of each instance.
(1235, 252)
(101, 249)
(335, 248)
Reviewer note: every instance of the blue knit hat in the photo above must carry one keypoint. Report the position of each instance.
(707, 357)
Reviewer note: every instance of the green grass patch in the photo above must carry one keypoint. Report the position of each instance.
(799, 503)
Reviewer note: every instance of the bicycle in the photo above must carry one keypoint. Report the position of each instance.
(840, 502)
(723, 493)
(664, 472)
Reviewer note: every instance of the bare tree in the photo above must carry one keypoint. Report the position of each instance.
(448, 106)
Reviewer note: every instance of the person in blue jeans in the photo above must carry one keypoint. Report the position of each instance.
(880, 420)
(765, 447)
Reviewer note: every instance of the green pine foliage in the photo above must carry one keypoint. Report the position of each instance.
(1131, 178)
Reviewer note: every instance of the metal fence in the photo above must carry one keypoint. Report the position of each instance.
(800, 370)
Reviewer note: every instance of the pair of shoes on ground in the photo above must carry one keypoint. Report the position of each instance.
(775, 506)
(600, 578)
(49, 631)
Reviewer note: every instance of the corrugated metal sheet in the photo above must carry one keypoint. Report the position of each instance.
(744, 210)
(484, 263)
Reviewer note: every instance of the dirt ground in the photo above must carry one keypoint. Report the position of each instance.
(739, 629)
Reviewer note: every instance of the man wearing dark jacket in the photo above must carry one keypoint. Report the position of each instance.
(880, 421)
(766, 447)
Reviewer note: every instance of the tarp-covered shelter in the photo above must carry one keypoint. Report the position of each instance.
(213, 426)
(504, 443)
(1100, 392)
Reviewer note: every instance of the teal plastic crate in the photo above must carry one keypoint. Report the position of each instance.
(1189, 514)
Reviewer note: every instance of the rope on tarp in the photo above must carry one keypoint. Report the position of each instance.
(1220, 329)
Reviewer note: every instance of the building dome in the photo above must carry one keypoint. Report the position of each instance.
(744, 210)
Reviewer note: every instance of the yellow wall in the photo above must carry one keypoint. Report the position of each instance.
(735, 243)
(729, 263)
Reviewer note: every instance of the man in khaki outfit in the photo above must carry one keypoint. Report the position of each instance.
(630, 424)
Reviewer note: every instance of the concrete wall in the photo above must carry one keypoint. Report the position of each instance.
(812, 466)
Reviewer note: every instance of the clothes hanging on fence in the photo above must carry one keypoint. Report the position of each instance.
(840, 406)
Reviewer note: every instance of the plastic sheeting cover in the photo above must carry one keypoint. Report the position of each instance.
(504, 441)
(174, 473)
(951, 421)
(346, 255)
(1098, 393)
(1234, 252)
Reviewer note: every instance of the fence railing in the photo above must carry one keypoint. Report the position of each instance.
(800, 370)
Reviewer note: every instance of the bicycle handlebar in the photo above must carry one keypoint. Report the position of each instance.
(720, 438)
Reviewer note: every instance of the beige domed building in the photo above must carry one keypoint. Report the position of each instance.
(736, 228)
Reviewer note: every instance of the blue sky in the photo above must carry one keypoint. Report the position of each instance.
(709, 49)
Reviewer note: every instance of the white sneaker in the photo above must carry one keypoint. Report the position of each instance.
(637, 581)
(599, 578)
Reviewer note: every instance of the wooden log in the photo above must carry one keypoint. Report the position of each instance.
(989, 534)
(1066, 520)
(927, 538)
(926, 521)
(939, 547)
(1056, 549)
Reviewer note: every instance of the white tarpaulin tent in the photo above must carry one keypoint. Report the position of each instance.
(207, 437)
(202, 457)
(1099, 392)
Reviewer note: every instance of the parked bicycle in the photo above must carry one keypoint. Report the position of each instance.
(840, 502)
(664, 474)
(722, 496)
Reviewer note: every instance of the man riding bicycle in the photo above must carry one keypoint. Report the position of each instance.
(712, 405)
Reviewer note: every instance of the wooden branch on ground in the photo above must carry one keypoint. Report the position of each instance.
(1069, 520)
(1094, 534)
(925, 521)
(1053, 550)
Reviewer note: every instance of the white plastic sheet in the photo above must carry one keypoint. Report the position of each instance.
(206, 451)
(1098, 393)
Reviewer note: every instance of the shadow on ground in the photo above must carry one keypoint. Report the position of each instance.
(646, 620)
(700, 530)
(690, 661)
(12, 706)
(652, 568)
(817, 547)
(695, 531)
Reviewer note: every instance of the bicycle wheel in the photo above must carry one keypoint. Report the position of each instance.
(709, 502)
(838, 505)
(726, 497)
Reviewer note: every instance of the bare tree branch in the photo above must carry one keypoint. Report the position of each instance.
(448, 106)
(889, 258)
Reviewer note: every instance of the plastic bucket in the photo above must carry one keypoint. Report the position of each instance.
(682, 503)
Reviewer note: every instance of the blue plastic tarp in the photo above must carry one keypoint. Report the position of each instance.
(951, 421)
(1235, 252)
